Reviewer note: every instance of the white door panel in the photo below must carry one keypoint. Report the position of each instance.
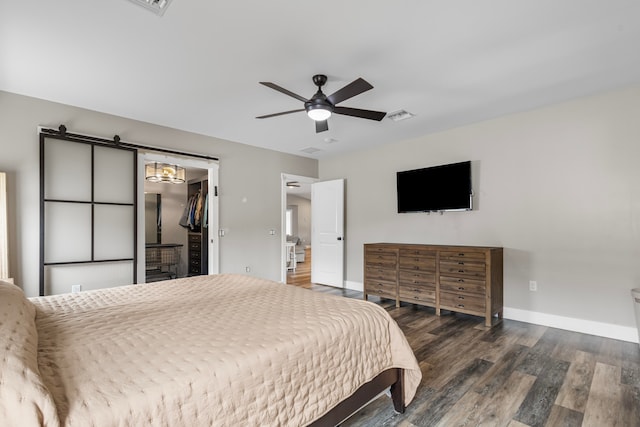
(327, 234)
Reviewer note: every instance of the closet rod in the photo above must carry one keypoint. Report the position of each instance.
(61, 132)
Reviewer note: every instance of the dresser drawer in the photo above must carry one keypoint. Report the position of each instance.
(462, 281)
(382, 260)
(195, 238)
(417, 263)
(380, 288)
(463, 269)
(465, 303)
(468, 287)
(380, 273)
(416, 277)
(413, 252)
(462, 255)
(419, 294)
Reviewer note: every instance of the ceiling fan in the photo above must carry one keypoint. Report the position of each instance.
(320, 106)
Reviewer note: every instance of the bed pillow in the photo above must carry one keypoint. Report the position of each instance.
(24, 400)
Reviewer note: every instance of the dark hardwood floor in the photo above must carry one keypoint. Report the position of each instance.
(513, 374)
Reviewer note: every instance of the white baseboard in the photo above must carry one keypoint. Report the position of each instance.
(608, 330)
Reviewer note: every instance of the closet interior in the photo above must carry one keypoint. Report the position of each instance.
(176, 227)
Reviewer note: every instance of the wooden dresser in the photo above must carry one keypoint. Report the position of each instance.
(466, 279)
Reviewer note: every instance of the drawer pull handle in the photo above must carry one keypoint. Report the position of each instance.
(461, 263)
(460, 271)
(460, 288)
(460, 254)
(460, 280)
(460, 305)
(460, 297)
(416, 267)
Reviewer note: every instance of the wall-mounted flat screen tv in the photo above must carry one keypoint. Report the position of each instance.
(436, 188)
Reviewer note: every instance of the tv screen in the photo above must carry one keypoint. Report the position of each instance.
(436, 188)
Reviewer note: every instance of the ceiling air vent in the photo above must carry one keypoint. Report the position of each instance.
(397, 116)
(311, 150)
(157, 6)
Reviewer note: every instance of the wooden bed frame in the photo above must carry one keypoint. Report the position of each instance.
(390, 378)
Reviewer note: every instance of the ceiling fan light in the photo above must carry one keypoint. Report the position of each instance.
(319, 114)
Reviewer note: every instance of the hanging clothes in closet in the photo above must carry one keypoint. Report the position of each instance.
(194, 214)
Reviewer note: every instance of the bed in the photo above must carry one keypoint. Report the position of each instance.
(208, 350)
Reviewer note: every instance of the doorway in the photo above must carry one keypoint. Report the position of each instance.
(296, 226)
(175, 252)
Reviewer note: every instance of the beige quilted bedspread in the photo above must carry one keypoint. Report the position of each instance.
(226, 350)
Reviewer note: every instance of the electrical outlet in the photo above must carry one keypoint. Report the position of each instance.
(533, 285)
(76, 288)
(247, 269)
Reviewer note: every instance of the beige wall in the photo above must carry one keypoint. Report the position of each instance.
(558, 188)
(249, 180)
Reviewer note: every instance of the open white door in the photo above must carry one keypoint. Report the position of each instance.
(327, 232)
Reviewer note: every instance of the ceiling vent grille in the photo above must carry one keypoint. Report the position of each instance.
(156, 6)
(311, 150)
(400, 115)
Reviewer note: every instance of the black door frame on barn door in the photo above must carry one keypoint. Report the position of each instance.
(93, 259)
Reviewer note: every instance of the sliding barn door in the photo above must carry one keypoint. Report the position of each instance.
(87, 214)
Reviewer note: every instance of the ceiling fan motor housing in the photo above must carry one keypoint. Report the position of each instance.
(319, 100)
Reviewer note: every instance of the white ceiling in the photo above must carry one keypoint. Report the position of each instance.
(197, 67)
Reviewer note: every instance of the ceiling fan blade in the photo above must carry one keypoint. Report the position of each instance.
(363, 114)
(283, 90)
(354, 88)
(322, 126)
(279, 114)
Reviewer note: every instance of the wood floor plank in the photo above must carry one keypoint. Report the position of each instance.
(630, 415)
(501, 406)
(537, 406)
(531, 334)
(630, 373)
(564, 417)
(463, 411)
(604, 406)
(450, 360)
(501, 371)
(575, 389)
(540, 354)
(431, 411)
